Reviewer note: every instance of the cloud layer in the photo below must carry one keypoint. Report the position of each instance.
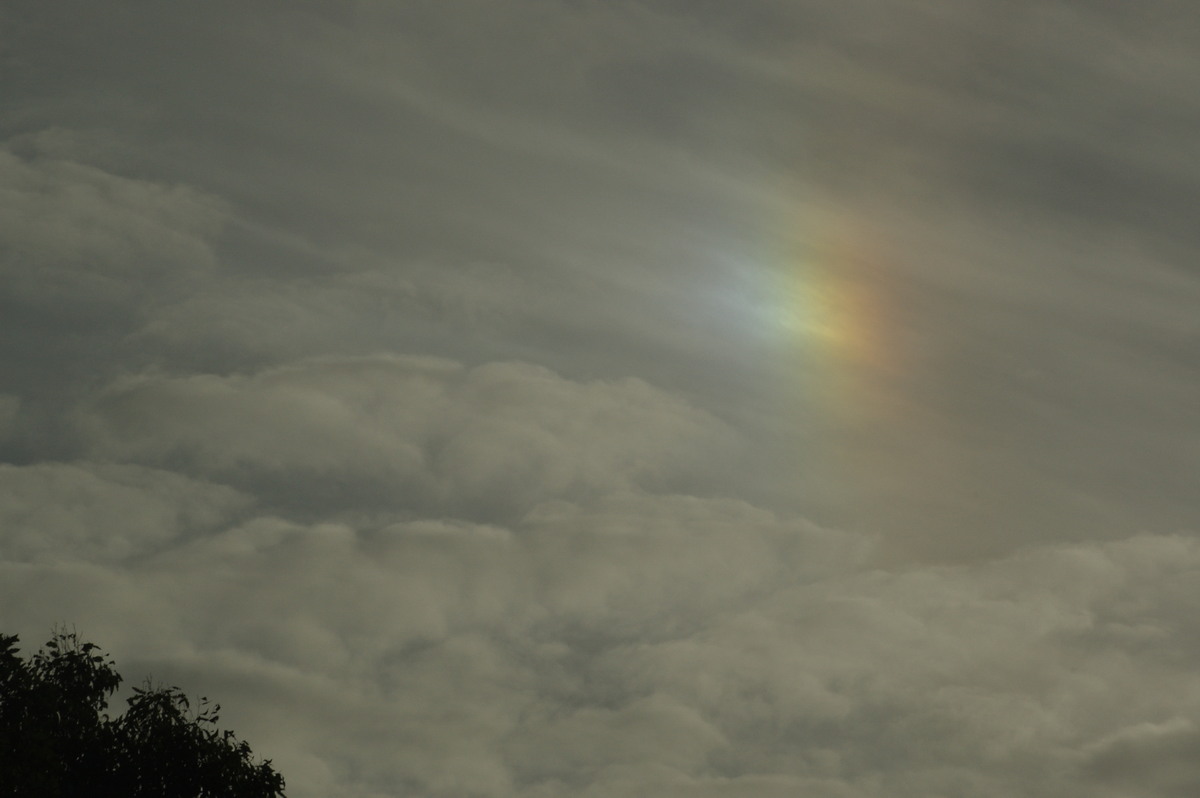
(586, 400)
(664, 644)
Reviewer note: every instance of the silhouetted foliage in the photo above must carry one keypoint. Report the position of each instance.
(56, 738)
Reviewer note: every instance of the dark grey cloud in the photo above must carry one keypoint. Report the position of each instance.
(1158, 754)
(603, 399)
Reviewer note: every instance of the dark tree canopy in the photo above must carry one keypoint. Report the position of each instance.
(57, 739)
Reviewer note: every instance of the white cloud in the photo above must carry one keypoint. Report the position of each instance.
(412, 431)
(96, 512)
(658, 644)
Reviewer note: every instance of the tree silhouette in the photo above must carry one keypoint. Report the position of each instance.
(56, 738)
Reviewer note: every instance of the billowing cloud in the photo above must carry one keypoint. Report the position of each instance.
(587, 657)
(411, 432)
(89, 511)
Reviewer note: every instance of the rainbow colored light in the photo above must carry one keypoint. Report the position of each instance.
(832, 300)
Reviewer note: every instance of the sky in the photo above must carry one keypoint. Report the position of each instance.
(581, 399)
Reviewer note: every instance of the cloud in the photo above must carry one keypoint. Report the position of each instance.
(10, 406)
(361, 306)
(98, 513)
(446, 634)
(85, 256)
(1159, 754)
(405, 376)
(79, 241)
(410, 432)
(576, 653)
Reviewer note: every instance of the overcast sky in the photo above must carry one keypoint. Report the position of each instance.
(606, 399)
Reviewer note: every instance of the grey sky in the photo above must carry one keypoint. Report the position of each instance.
(551, 398)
